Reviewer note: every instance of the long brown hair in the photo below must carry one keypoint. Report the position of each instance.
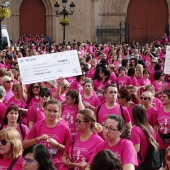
(140, 119)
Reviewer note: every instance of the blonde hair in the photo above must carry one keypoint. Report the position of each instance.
(6, 78)
(149, 95)
(12, 136)
(166, 152)
(89, 116)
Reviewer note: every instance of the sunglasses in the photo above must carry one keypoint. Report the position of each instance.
(3, 142)
(45, 95)
(144, 98)
(35, 87)
(66, 87)
(146, 73)
(9, 81)
(168, 157)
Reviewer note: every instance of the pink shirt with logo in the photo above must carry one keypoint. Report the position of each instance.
(5, 163)
(138, 137)
(124, 149)
(8, 95)
(104, 112)
(41, 128)
(82, 151)
(123, 82)
(93, 100)
(69, 115)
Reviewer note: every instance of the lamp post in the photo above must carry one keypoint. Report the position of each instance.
(4, 12)
(64, 13)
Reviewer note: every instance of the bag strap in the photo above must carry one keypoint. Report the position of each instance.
(22, 131)
(121, 108)
(97, 113)
(12, 164)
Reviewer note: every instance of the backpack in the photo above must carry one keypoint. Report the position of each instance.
(152, 160)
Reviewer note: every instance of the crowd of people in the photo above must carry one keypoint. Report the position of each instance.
(104, 119)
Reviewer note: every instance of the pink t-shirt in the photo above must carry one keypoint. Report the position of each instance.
(138, 137)
(134, 81)
(33, 101)
(104, 112)
(24, 128)
(143, 82)
(130, 112)
(61, 97)
(113, 77)
(82, 151)
(157, 103)
(8, 95)
(69, 115)
(5, 163)
(36, 113)
(3, 109)
(91, 73)
(101, 84)
(93, 100)
(152, 116)
(76, 85)
(41, 128)
(124, 149)
(163, 121)
(123, 81)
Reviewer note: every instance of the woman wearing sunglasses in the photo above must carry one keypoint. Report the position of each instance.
(36, 112)
(115, 134)
(142, 134)
(167, 158)
(79, 150)
(52, 132)
(13, 119)
(10, 150)
(37, 157)
(90, 99)
(151, 111)
(71, 107)
(33, 94)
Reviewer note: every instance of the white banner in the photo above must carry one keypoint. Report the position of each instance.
(49, 66)
(167, 61)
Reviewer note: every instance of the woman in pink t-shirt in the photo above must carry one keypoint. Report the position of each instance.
(70, 109)
(13, 119)
(159, 83)
(142, 133)
(128, 100)
(33, 93)
(62, 89)
(89, 97)
(36, 112)
(78, 151)
(19, 101)
(115, 132)
(10, 149)
(151, 111)
(52, 132)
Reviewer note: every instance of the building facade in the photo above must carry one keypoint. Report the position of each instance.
(93, 20)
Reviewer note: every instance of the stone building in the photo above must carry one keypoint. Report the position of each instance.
(93, 20)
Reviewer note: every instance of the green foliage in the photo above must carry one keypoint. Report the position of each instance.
(4, 12)
(64, 22)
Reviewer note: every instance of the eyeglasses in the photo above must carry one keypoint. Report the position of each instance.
(4, 142)
(168, 157)
(109, 128)
(28, 161)
(78, 121)
(44, 96)
(144, 98)
(9, 81)
(35, 87)
(146, 73)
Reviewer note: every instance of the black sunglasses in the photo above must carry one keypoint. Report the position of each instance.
(35, 87)
(3, 142)
(144, 98)
(66, 87)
